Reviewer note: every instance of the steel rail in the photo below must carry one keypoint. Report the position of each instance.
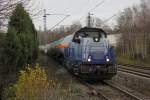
(91, 88)
(135, 71)
(123, 90)
(136, 66)
(100, 95)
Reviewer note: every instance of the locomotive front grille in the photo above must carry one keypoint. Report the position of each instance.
(87, 69)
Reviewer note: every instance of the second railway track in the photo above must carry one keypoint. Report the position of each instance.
(136, 71)
(109, 91)
(136, 66)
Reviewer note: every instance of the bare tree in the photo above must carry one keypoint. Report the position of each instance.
(134, 24)
(7, 6)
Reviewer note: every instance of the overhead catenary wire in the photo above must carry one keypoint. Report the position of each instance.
(89, 12)
(60, 21)
(45, 19)
(97, 5)
(89, 24)
(85, 4)
(66, 16)
(111, 17)
(108, 19)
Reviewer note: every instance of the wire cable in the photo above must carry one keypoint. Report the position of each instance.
(110, 18)
(100, 3)
(60, 21)
(64, 17)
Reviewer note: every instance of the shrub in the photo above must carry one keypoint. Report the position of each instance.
(34, 85)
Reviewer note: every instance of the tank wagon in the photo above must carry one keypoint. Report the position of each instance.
(87, 54)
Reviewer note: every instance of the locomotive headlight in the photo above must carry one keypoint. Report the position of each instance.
(89, 59)
(96, 39)
(107, 59)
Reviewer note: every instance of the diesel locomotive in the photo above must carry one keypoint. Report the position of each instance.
(87, 54)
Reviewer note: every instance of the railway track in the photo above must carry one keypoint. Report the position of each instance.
(136, 66)
(95, 91)
(140, 71)
(109, 91)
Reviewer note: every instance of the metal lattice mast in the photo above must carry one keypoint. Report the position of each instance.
(44, 20)
(89, 20)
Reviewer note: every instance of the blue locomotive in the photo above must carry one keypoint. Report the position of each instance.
(87, 54)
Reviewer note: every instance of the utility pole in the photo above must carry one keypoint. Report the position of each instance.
(45, 20)
(89, 20)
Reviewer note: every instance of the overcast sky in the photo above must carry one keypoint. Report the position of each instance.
(78, 10)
